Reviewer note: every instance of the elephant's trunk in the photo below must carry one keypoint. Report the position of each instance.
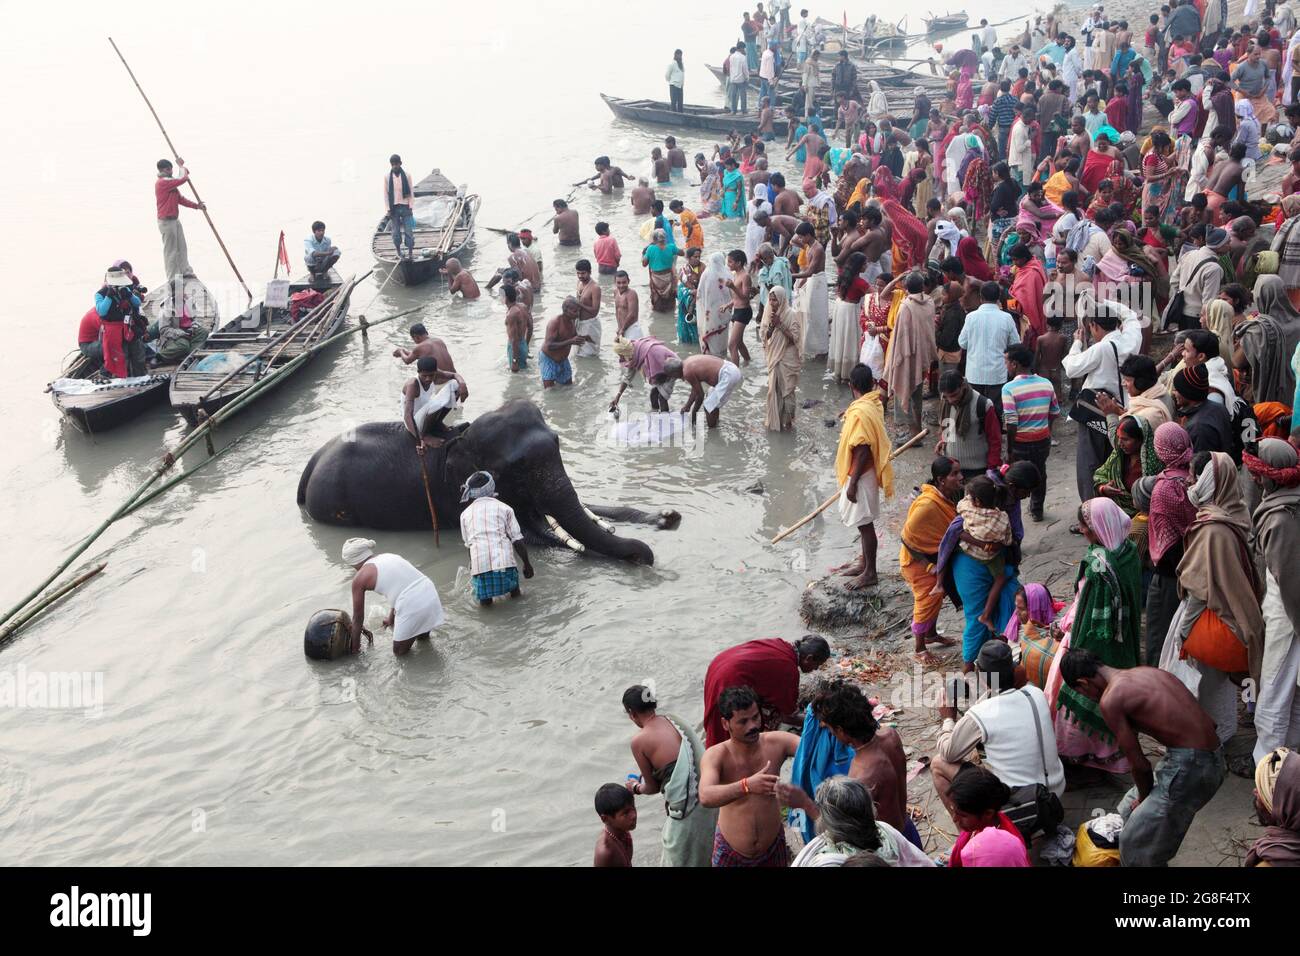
(561, 502)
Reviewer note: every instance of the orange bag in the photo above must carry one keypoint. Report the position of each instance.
(1213, 643)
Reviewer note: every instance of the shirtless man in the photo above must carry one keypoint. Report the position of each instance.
(566, 224)
(785, 202)
(740, 775)
(663, 171)
(1079, 142)
(642, 196)
(811, 141)
(698, 371)
(779, 228)
(522, 261)
(459, 280)
(518, 329)
(676, 156)
(760, 176)
(627, 308)
(1226, 176)
(423, 410)
(743, 290)
(529, 242)
(878, 758)
(607, 178)
(425, 347)
(1147, 700)
(766, 119)
(561, 336)
(878, 236)
(588, 324)
(525, 290)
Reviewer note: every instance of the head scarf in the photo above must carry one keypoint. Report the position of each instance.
(1112, 469)
(357, 550)
(1170, 514)
(949, 233)
(1217, 494)
(972, 260)
(1107, 521)
(884, 183)
(481, 484)
(994, 847)
(909, 233)
(760, 193)
(1173, 446)
(1042, 610)
(782, 299)
(1244, 109)
(1218, 319)
(1277, 780)
(1276, 464)
(958, 216)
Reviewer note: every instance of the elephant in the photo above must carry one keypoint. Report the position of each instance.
(372, 477)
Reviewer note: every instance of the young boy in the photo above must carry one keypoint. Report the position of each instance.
(492, 534)
(606, 250)
(986, 524)
(1050, 348)
(616, 808)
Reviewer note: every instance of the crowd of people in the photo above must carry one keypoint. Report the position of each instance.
(1083, 223)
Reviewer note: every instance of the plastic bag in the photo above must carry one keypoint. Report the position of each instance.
(872, 355)
(1087, 853)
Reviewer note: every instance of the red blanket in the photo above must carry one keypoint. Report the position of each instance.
(770, 666)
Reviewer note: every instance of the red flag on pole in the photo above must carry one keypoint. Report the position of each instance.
(282, 257)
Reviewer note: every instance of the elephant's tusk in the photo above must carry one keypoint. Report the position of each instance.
(569, 540)
(598, 520)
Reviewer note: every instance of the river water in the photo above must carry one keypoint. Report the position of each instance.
(217, 741)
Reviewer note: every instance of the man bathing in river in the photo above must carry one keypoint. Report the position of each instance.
(740, 776)
(426, 347)
(415, 607)
(561, 336)
(423, 409)
(566, 224)
(863, 470)
(627, 308)
(459, 280)
(588, 323)
(743, 291)
(522, 261)
(518, 327)
(698, 371)
(607, 178)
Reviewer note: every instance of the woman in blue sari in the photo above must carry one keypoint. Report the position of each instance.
(968, 581)
(733, 191)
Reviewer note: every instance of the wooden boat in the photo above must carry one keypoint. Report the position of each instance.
(879, 36)
(93, 402)
(900, 101)
(886, 76)
(444, 226)
(709, 118)
(213, 376)
(946, 24)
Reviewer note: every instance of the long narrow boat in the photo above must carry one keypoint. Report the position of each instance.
(444, 226)
(215, 375)
(93, 402)
(712, 119)
(886, 76)
(946, 24)
(900, 101)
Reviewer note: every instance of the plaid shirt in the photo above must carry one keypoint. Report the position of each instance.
(489, 528)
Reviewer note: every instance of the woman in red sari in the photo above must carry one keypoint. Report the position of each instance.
(1027, 289)
(884, 184)
(1098, 164)
(1117, 108)
(910, 237)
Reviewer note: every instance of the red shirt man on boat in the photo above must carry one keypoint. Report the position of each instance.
(167, 194)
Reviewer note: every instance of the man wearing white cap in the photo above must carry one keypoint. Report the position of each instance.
(492, 533)
(416, 609)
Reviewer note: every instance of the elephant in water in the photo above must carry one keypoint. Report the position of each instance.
(372, 478)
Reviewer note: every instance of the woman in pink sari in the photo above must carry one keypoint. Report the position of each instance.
(965, 92)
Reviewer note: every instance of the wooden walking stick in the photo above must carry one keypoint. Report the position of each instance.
(910, 443)
(193, 189)
(428, 496)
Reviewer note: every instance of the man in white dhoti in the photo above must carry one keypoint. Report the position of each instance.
(416, 609)
(423, 409)
(812, 298)
(1072, 68)
(668, 754)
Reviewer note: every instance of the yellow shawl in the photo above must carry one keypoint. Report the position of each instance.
(864, 424)
(927, 519)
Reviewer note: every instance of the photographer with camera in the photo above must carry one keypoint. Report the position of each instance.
(122, 326)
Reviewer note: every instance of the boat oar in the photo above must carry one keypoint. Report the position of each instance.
(428, 496)
(7, 633)
(911, 442)
(193, 188)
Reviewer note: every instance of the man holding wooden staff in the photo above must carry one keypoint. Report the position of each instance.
(167, 193)
(863, 470)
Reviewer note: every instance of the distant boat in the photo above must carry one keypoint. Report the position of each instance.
(211, 377)
(444, 226)
(93, 402)
(713, 119)
(946, 24)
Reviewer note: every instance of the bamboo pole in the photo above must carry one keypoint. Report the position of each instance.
(177, 479)
(170, 458)
(193, 188)
(911, 442)
(7, 633)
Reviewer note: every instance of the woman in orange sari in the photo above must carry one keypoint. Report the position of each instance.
(928, 517)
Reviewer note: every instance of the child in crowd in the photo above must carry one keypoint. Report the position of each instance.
(616, 808)
(1049, 350)
(986, 525)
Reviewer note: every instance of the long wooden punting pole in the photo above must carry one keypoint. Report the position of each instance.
(170, 458)
(193, 188)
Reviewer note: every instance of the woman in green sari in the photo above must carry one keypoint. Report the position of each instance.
(1134, 457)
(733, 191)
(1105, 620)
